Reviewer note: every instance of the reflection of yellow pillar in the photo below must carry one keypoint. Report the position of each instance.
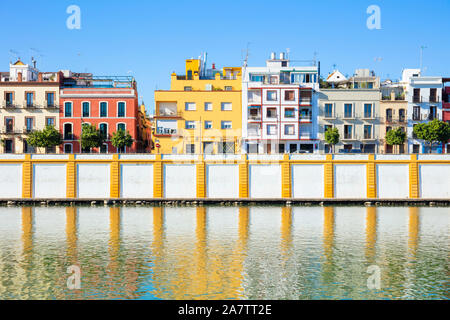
(243, 227)
(328, 230)
(371, 232)
(157, 249)
(71, 233)
(114, 225)
(286, 230)
(413, 225)
(200, 282)
(27, 229)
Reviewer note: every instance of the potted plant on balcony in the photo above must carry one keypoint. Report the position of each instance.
(396, 137)
(332, 137)
(47, 138)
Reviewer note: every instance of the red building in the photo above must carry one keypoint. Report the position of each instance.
(108, 103)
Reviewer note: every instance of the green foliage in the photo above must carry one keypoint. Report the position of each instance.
(91, 137)
(432, 132)
(47, 138)
(332, 136)
(396, 137)
(121, 139)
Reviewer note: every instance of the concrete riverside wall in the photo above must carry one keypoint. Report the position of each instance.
(89, 176)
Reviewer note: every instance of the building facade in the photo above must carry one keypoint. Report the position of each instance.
(201, 113)
(29, 100)
(279, 107)
(352, 106)
(108, 103)
(424, 97)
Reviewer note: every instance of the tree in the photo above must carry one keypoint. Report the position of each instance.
(433, 132)
(396, 137)
(91, 137)
(121, 139)
(332, 136)
(49, 137)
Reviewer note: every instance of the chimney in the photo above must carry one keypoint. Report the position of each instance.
(40, 77)
(19, 76)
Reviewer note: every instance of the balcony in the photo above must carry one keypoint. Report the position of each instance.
(27, 130)
(169, 114)
(434, 99)
(161, 131)
(417, 99)
(69, 136)
(254, 117)
(425, 117)
(10, 130)
(349, 136)
(368, 116)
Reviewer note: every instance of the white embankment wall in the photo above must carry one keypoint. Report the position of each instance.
(225, 177)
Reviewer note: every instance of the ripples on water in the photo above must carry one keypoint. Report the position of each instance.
(224, 252)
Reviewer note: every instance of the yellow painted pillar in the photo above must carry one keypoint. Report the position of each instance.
(371, 178)
(27, 177)
(413, 178)
(201, 177)
(71, 178)
(115, 177)
(243, 177)
(286, 177)
(329, 177)
(371, 232)
(158, 172)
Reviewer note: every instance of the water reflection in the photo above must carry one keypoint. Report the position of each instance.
(224, 252)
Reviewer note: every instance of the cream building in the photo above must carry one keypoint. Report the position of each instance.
(29, 100)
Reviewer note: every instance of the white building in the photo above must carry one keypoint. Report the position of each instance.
(424, 97)
(279, 107)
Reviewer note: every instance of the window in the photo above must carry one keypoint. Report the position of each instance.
(9, 124)
(273, 79)
(271, 129)
(68, 109)
(348, 110)
(104, 148)
(208, 106)
(121, 109)
(50, 97)
(208, 124)
(416, 95)
(254, 113)
(271, 96)
(190, 124)
(367, 110)
(256, 78)
(49, 121)
(86, 109)
(254, 96)
(103, 109)
(8, 146)
(9, 98)
(226, 147)
(103, 128)
(226, 106)
(68, 131)
(289, 113)
(190, 148)
(26, 147)
(328, 110)
(30, 99)
(401, 115)
(416, 113)
(190, 106)
(228, 88)
(305, 96)
(416, 148)
(226, 125)
(348, 132)
(68, 148)
(289, 129)
(289, 95)
(122, 149)
(433, 95)
(29, 124)
(367, 132)
(271, 113)
(121, 126)
(187, 88)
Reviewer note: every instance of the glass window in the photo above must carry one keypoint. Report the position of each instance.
(68, 109)
(50, 99)
(103, 109)
(190, 124)
(30, 97)
(328, 110)
(367, 110)
(104, 130)
(86, 109)
(68, 148)
(226, 106)
(49, 121)
(289, 113)
(121, 126)
(190, 148)
(189, 106)
(271, 95)
(208, 106)
(256, 78)
(289, 95)
(121, 109)
(289, 129)
(29, 124)
(348, 110)
(271, 113)
(226, 125)
(271, 129)
(367, 132)
(208, 124)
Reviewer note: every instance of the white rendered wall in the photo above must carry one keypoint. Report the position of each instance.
(350, 181)
(222, 181)
(136, 180)
(434, 181)
(93, 180)
(307, 181)
(180, 181)
(264, 181)
(11, 181)
(392, 181)
(49, 180)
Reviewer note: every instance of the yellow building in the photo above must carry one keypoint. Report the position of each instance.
(201, 113)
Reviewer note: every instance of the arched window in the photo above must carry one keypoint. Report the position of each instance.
(103, 109)
(121, 126)
(104, 130)
(68, 109)
(121, 109)
(86, 109)
(68, 134)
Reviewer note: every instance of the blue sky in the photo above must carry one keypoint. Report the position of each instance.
(151, 39)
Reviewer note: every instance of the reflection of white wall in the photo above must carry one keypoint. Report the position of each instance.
(222, 181)
(350, 181)
(307, 181)
(264, 181)
(49, 180)
(180, 181)
(392, 181)
(11, 180)
(136, 180)
(435, 181)
(93, 180)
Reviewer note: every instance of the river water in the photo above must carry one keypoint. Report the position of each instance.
(261, 252)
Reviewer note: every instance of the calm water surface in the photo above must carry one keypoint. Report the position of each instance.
(224, 252)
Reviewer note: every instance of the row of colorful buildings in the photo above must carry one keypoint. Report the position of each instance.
(276, 108)
(283, 108)
(30, 100)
